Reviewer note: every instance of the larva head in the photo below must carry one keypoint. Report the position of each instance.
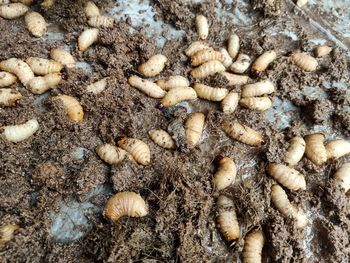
(160, 106)
(218, 159)
(254, 74)
(120, 140)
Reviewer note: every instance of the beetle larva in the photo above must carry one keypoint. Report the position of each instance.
(315, 149)
(173, 82)
(162, 138)
(97, 87)
(43, 66)
(202, 26)
(227, 218)
(282, 203)
(207, 69)
(233, 45)
(21, 132)
(206, 55)
(153, 66)
(62, 56)
(337, 148)
(342, 176)
(148, 87)
(7, 79)
(48, 3)
(226, 173)
(39, 85)
(125, 204)
(110, 153)
(210, 93)
(301, 3)
(12, 11)
(304, 61)
(241, 64)
(91, 9)
(227, 60)
(19, 68)
(101, 21)
(9, 97)
(195, 47)
(321, 51)
(234, 79)
(230, 102)
(256, 103)
(137, 148)
(35, 23)
(262, 62)
(253, 246)
(72, 106)
(287, 176)
(260, 88)
(177, 95)
(3, 2)
(25, 2)
(194, 128)
(87, 38)
(7, 233)
(243, 133)
(295, 151)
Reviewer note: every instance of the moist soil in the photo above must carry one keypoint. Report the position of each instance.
(38, 174)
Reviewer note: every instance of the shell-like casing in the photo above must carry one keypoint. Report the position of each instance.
(12, 11)
(19, 68)
(35, 23)
(125, 204)
(304, 61)
(253, 246)
(202, 26)
(47, 4)
(9, 97)
(153, 66)
(301, 3)
(227, 218)
(21, 132)
(322, 51)
(7, 79)
(342, 176)
(234, 79)
(146, 86)
(97, 87)
(295, 151)
(241, 64)
(194, 128)
(226, 173)
(207, 69)
(287, 176)
(195, 47)
(162, 138)
(206, 55)
(7, 233)
(63, 57)
(260, 88)
(173, 82)
(233, 45)
(256, 103)
(137, 148)
(227, 62)
(72, 106)
(263, 61)
(110, 154)
(43, 66)
(91, 9)
(39, 85)
(87, 38)
(243, 133)
(210, 93)
(230, 102)
(101, 21)
(337, 148)
(315, 150)
(177, 95)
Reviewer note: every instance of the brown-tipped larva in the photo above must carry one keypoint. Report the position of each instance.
(260, 88)
(206, 55)
(243, 133)
(125, 204)
(12, 11)
(305, 61)
(72, 106)
(280, 200)
(62, 56)
(227, 60)
(337, 148)
(202, 26)
(43, 66)
(226, 173)
(21, 132)
(97, 87)
(173, 82)
(241, 64)
(295, 151)
(301, 3)
(162, 138)
(256, 103)
(148, 87)
(207, 69)
(315, 149)
(233, 45)
(210, 93)
(262, 62)
(110, 153)
(177, 95)
(87, 38)
(230, 102)
(195, 47)
(253, 246)
(7, 79)
(342, 176)
(153, 66)
(227, 218)
(7, 233)
(287, 176)
(323, 50)
(19, 68)
(234, 79)
(39, 85)
(91, 9)
(101, 21)
(194, 128)
(137, 148)
(47, 4)
(35, 23)
(9, 97)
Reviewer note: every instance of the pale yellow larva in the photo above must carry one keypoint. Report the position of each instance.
(101, 21)
(97, 87)
(305, 61)
(230, 102)
(301, 3)
(25, 2)
(233, 45)
(227, 60)
(47, 4)
(153, 66)
(62, 56)
(322, 51)
(12, 11)
(287, 176)
(295, 151)
(210, 93)
(262, 62)
(162, 138)
(72, 106)
(342, 176)
(87, 38)
(195, 47)
(256, 103)
(234, 79)
(177, 95)
(202, 26)
(39, 85)
(137, 148)
(207, 69)
(206, 55)
(21, 132)
(7, 233)
(173, 82)
(227, 218)
(148, 87)
(315, 149)
(253, 246)
(241, 64)
(7, 79)
(337, 148)
(260, 88)
(19, 68)
(280, 199)
(194, 128)
(91, 9)
(35, 23)
(9, 97)
(243, 133)
(43, 66)
(110, 153)
(226, 173)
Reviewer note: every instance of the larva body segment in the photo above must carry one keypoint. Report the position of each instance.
(256, 103)
(9, 97)
(287, 176)
(194, 128)
(342, 176)
(39, 85)
(87, 38)
(91, 9)
(35, 23)
(207, 69)
(305, 61)
(7, 79)
(72, 106)
(337, 148)
(173, 82)
(202, 26)
(230, 102)
(137, 148)
(153, 66)
(226, 173)
(110, 153)
(148, 87)
(7, 233)
(177, 95)
(295, 151)
(21, 132)
(253, 246)
(43, 66)
(263, 61)
(63, 57)
(12, 11)
(233, 45)
(101, 21)
(125, 204)
(241, 64)
(261, 88)
(227, 60)
(97, 87)
(206, 55)
(227, 218)
(322, 51)
(243, 133)
(315, 150)
(301, 3)
(19, 68)
(210, 93)
(195, 47)
(234, 79)
(162, 138)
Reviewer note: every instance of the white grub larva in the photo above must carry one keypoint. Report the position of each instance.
(173, 82)
(305, 61)
(21, 132)
(227, 60)
(137, 148)
(295, 151)
(337, 148)
(241, 64)
(97, 87)
(301, 3)
(162, 138)
(19, 68)
(43, 66)
(260, 88)
(230, 102)
(12, 11)
(253, 246)
(195, 47)
(3, 2)
(202, 26)
(227, 218)
(226, 173)
(62, 56)
(234, 79)
(47, 4)
(87, 38)
(7, 79)
(207, 69)
(153, 66)
(322, 51)
(35, 23)
(233, 45)
(125, 204)
(287, 176)
(7, 233)
(342, 177)
(9, 97)
(39, 85)
(110, 153)
(243, 133)
(91, 9)
(177, 95)
(206, 55)
(315, 150)
(194, 128)
(148, 87)
(101, 21)
(210, 93)
(262, 62)
(72, 106)
(256, 103)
